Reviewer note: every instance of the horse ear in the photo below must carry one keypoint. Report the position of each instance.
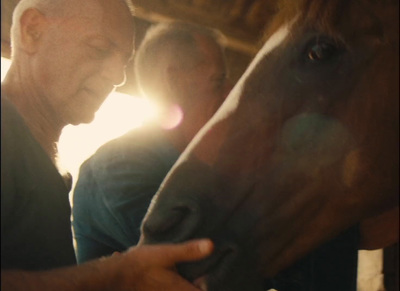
(32, 27)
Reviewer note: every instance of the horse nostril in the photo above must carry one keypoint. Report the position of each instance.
(176, 215)
(172, 225)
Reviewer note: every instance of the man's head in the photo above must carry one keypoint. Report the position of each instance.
(180, 64)
(70, 54)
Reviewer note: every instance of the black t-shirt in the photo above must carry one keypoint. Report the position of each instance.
(35, 212)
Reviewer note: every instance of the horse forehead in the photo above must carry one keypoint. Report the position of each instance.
(360, 19)
(272, 43)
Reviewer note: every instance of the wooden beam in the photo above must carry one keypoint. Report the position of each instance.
(233, 43)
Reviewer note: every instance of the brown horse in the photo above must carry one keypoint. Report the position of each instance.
(305, 146)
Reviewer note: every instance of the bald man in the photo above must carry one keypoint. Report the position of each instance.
(67, 56)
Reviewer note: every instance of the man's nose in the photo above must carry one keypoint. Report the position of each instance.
(114, 70)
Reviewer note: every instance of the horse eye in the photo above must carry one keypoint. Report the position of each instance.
(322, 50)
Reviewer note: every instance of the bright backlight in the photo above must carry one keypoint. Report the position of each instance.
(118, 114)
(5, 65)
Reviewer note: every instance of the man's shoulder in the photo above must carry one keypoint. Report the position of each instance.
(137, 140)
(144, 136)
(139, 143)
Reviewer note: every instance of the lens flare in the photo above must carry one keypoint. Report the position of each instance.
(173, 117)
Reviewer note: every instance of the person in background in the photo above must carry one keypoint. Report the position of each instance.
(67, 56)
(182, 68)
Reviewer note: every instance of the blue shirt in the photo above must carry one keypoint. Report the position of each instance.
(114, 189)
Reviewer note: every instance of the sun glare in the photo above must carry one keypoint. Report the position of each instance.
(5, 65)
(118, 114)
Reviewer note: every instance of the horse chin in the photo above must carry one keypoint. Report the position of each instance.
(211, 273)
(223, 271)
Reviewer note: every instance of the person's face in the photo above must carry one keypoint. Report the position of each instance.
(206, 85)
(82, 58)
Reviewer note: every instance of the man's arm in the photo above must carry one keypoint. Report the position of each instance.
(144, 268)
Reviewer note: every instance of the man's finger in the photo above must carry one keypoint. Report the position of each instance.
(171, 254)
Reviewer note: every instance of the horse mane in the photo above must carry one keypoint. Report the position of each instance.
(321, 14)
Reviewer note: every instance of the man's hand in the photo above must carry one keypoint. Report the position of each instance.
(152, 267)
(141, 268)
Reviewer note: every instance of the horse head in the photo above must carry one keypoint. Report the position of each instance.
(305, 146)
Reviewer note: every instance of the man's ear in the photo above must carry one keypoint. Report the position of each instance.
(175, 80)
(32, 26)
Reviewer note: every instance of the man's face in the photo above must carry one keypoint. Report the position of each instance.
(206, 85)
(82, 58)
